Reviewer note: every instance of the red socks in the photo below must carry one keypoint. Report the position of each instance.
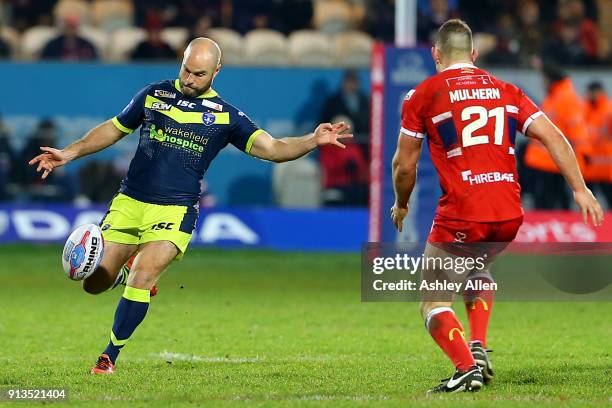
(446, 330)
(478, 304)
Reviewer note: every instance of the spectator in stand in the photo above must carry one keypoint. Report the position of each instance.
(575, 38)
(5, 49)
(430, 20)
(164, 11)
(249, 15)
(98, 181)
(200, 28)
(344, 174)
(189, 11)
(153, 47)
(507, 48)
(598, 152)
(529, 32)
(69, 45)
(352, 102)
(7, 162)
(566, 110)
(293, 15)
(58, 186)
(379, 19)
(28, 13)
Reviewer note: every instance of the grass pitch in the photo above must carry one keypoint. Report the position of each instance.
(264, 328)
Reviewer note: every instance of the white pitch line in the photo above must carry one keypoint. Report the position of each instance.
(167, 355)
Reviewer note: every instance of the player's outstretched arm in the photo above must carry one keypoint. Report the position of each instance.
(552, 138)
(290, 148)
(98, 138)
(404, 167)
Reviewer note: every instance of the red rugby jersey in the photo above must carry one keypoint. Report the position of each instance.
(470, 119)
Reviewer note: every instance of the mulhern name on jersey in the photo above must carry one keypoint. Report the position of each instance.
(467, 94)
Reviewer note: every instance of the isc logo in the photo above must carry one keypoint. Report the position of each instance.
(162, 226)
(186, 104)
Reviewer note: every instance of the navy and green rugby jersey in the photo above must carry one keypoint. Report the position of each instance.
(179, 138)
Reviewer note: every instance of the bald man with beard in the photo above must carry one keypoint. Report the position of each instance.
(184, 123)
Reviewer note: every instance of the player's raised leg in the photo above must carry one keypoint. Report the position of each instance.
(115, 256)
(153, 258)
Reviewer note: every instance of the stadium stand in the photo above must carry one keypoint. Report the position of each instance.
(353, 49)
(124, 41)
(11, 37)
(176, 37)
(297, 184)
(266, 47)
(34, 39)
(230, 42)
(111, 15)
(309, 48)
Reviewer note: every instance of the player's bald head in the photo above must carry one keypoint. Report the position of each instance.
(454, 40)
(201, 63)
(202, 53)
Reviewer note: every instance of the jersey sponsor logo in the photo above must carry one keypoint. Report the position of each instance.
(160, 106)
(163, 226)
(460, 236)
(491, 177)
(459, 95)
(208, 119)
(184, 143)
(164, 94)
(186, 104)
(469, 80)
(212, 105)
(451, 333)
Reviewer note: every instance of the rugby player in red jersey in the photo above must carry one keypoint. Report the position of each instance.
(470, 120)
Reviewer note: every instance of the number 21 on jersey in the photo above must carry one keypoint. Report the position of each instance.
(479, 117)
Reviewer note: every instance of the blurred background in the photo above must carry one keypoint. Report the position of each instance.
(289, 64)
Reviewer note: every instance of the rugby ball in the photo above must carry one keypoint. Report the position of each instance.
(83, 252)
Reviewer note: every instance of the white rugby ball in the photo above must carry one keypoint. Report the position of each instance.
(83, 252)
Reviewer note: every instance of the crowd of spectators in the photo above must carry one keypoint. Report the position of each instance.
(509, 32)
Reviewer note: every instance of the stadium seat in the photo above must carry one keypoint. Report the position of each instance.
(64, 8)
(332, 16)
(297, 184)
(34, 39)
(353, 49)
(98, 38)
(176, 37)
(111, 15)
(11, 37)
(230, 42)
(309, 48)
(124, 41)
(266, 47)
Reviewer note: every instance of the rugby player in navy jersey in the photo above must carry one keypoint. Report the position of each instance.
(184, 124)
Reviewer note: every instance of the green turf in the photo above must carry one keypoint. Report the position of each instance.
(264, 328)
